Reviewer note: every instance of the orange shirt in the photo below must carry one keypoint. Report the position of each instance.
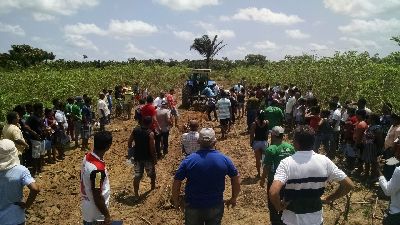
(359, 131)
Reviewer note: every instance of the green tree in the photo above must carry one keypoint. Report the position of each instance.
(396, 39)
(25, 55)
(255, 59)
(207, 48)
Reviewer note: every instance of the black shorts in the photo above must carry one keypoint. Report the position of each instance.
(224, 122)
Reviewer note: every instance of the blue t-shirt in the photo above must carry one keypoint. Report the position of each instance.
(12, 182)
(205, 171)
(208, 92)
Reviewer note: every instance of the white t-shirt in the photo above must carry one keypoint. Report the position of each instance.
(336, 116)
(157, 102)
(306, 171)
(392, 188)
(93, 172)
(223, 105)
(102, 105)
(289, 105)
(61, 119)
(190, 142)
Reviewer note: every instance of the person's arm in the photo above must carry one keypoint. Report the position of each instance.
(235, 183)
(33, 192)
(176, 190)
(393, 185)
(131, 139)
(97, 179)
(252, 132)
(345, 186)
(152, 147)
(274, 195)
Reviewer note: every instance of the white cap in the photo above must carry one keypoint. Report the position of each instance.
(8, 155)
(207, 135)
(277, 131)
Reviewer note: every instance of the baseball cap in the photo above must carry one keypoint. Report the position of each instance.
(207, 134)
(277, 130)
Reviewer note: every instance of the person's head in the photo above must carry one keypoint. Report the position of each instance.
(142, 101)
(312, 101)
(8, 155)
(164, 104)
(79, 101)
(304, 137)
(101, 96)
(110, 92)
(102, 142)
(88, 101)
(309, 87)
(20, 109)
(315, 110)
(325, 114)
(147, 122)
(335, 98)
(333, 105)
(48, 112)
(38, 109)
(301, 101)
(285, 87)
(70, 100)
(277, 134)
(12, 118)
(297, 95)
(361, 114)
(223, 94)
(361, 103)
(55, 102)
(207, 138)
(387, 108)
(172, 91)
(85, 96)
(374, 119)
(395, 118)
(162, 94)
(351, 111)
(193, 125)
(149, 99)
(105, 91)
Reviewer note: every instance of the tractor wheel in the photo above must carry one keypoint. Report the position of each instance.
(186, 96)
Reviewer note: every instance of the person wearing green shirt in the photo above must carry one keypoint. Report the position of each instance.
(274, 114)
(76, 115)
(277, 151)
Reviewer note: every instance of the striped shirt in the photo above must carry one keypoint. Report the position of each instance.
(223, 105)
(190, 142)
(305, 174)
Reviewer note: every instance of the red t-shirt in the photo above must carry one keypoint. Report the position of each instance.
(149, 110)
(314, 121)
(171, 101)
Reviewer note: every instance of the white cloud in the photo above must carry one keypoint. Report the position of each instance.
(266, 45)
(129, 28)
(59, 7)
(222, 34)
(318, 47)
(84, 28)
(136, 52)
(182, 5)
(80, 41)
(361, 44)
(358, 26)
(42, 16)
(362, 8)
(185, 35)
(264, 15)
(132, 49)
(296, 34)
(12, 29)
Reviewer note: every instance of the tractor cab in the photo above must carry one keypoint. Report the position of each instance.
(198, 79)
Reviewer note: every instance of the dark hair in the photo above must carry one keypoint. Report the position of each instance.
(20, 109)
(102, 140)
(362, 113)
(325, 113)
(47, 111)
(242, 90)
(55, 102)
(374, 118)
(142, 101)
(304, 137)
(333, 105)
(362, 101)
(315, 109)
(351, 111)
(88, 100)
(11, 116)
(147, 121)
(37, 106)
(149, 99)
(70, 100)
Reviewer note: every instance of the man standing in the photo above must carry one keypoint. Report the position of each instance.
(392, 188)
(335, 118)
(103, 111)
(150, 110)
(13, 178)
(164, 119)
(13, 132)
(190, 140)
(205, 171)
(224, 113)
(274, 114)
(291, 101)
(274, 154)
(95, 185)
(142, 140)
(172, 106)
(303, 177)
(392, 135)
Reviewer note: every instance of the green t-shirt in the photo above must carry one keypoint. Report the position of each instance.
(274, 155)
(274, 115)
(76, 112)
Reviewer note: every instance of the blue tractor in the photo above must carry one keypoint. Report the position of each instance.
(198, 80)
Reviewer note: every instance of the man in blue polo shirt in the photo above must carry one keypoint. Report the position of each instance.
(205, 171)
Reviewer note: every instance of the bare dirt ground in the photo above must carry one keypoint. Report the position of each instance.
(59, 201)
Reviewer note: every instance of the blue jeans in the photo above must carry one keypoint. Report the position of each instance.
(208, 216)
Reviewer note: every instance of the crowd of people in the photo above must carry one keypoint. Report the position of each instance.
(295, 172)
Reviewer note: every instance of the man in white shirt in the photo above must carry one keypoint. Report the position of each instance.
(291, 101)
(157, 102)
(95, 184)
(392, 188)
(224, 113)
(335, 118)
(303, 176)
(190, 141)
(103, 111)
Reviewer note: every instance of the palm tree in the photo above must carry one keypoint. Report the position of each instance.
(207, 48)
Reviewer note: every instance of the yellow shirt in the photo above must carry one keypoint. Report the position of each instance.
(13, 133)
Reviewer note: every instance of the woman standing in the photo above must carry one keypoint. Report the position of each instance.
(259, 139)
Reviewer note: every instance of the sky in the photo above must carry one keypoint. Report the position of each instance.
(122, 29)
